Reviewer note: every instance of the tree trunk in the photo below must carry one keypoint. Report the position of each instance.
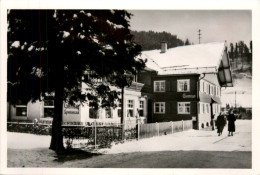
(57, 139)
(122, 114)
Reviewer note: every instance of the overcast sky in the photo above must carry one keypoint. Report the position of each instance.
(216, 25)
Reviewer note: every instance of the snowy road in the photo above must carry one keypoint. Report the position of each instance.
(189, 149)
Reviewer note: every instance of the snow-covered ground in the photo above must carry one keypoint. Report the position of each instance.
(203, 140)
(193, 148)
(187, 140)
(27, 141)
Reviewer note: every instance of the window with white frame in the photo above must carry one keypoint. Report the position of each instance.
(183, 107)
(21, 109)
(159, 86)
(183, 85)
(203, 108)
(49, 106)
(130, 108)
(203, 87)
(159, 107)
(141, 108)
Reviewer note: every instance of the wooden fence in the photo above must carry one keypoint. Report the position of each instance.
(164, 128)
(84, 135)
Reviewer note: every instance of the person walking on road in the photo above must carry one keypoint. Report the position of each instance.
(231, 123)
(221, 122)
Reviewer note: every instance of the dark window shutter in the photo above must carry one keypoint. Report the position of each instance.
(168, 85)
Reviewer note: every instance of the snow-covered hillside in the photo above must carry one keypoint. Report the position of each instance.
(242, 88)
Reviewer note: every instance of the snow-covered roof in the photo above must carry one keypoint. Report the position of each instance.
(201, 58)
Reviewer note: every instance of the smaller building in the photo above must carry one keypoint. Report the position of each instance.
(135, 105)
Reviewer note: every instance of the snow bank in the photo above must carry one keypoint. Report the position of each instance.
(27, 141)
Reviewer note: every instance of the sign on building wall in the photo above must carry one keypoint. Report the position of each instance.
(71, 109)
(184, 95)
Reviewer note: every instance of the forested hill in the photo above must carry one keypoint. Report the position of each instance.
(151, 40)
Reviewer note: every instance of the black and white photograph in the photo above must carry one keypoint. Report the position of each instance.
(128, 89)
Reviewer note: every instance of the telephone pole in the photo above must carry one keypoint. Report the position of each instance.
(199, 35)
(235, 100)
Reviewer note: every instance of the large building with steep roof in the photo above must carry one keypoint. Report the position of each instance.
(187, 82)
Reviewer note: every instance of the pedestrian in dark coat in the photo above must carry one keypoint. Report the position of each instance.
(231, 123)
(221, 122)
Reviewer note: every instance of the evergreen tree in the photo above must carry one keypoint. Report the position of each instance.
(236, 50)
(152, 40)
(55, 51)
(231, 51)
(241, 48)
(187, 42)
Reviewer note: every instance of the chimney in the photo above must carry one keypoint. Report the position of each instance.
(163, 47)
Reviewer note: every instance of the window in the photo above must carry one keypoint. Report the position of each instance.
(93, 113)
(184, 108)
(203, 87)
(108, 113)
(21, 109)
(130, 108)
(119, 108)
(159, 86)
(49, 106)
(183, 85)
(119, 112)
(141, 108)
(203, 108)
(207, 107)
(159, 107)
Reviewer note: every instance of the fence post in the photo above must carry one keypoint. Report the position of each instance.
(138, 129)
(182, 125)
(95, 131)
(158, 127)
(172, 126)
